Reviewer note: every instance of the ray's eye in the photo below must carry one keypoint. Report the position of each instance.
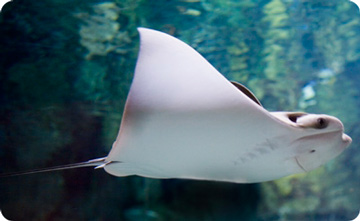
(321, 123)
(312, 151)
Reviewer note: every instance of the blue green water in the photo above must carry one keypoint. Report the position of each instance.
(66, 68)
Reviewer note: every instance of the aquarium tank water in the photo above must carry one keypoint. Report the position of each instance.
(66, 68)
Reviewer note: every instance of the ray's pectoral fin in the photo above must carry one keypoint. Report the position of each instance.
(172, 76)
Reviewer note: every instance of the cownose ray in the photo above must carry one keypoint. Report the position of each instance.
(183, 119)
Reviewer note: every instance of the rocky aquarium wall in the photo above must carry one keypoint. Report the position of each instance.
(66, 68)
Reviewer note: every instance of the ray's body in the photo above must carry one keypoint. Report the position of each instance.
(183, 119)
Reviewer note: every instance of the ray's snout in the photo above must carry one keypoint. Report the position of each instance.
(337, 125)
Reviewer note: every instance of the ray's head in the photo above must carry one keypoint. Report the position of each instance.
(321, 138)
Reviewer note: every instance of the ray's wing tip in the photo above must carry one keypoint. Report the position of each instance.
(156, 36)
(143, 31)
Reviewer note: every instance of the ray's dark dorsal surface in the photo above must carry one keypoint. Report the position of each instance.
(183, 119)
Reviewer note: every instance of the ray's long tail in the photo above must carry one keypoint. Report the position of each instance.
(98, 163)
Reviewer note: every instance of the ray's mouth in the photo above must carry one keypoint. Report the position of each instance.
(346, 141)
(299, 164)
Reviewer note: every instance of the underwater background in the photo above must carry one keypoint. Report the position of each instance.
(66, 68)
